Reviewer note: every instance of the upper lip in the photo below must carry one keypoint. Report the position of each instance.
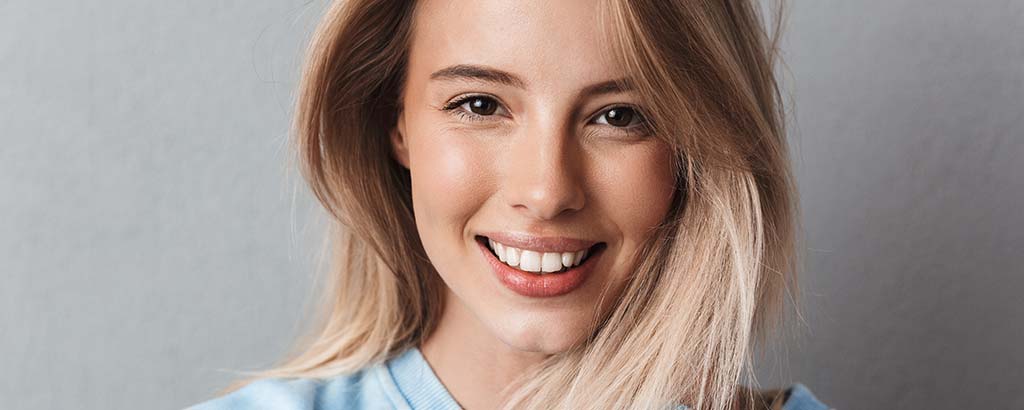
(540, 243)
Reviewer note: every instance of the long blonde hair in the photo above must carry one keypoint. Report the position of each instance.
(710, 279)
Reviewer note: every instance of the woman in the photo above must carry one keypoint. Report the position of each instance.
(542, 204)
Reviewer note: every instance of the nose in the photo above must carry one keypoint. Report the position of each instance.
(544, 177)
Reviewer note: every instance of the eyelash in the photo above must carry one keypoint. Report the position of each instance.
(455, 108)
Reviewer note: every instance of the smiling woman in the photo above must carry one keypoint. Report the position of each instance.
(572, 204)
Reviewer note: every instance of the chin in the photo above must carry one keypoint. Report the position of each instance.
(548, 334)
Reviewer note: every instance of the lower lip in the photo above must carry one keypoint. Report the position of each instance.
(537, 285)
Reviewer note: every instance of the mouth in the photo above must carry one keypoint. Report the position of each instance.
(536, 261)
(561, 268)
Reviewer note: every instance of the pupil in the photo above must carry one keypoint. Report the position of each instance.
(482, 106)
(620, 116)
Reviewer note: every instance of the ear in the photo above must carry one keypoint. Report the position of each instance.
(399, 146)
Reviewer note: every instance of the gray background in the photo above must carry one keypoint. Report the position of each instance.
(153, 238)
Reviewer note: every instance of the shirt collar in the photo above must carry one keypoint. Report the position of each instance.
(418, 383)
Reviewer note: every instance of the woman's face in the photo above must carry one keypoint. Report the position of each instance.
(506, 138)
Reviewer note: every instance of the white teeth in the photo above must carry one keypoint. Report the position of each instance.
(529, 261)
(497, 247)
(512, 255)
(579, 257)
(500, 250)
(551, 262)
(533, 261)
(568, 258)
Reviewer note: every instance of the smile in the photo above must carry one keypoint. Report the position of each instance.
(540, 267)
(531, 260)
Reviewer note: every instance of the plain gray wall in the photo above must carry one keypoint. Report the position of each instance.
(152, 235)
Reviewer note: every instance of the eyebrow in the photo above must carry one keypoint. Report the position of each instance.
(493, 75)
(476, 72)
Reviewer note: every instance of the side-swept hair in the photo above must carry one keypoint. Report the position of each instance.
(710, 280)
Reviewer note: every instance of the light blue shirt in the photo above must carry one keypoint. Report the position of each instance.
(406, 382)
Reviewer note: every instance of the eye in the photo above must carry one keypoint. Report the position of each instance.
(482, 105)
(622, 116)
(473, 107)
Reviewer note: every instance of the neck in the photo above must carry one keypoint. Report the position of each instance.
(470, 361)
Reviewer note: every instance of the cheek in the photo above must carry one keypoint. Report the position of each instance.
(638, 188)
(449, 179)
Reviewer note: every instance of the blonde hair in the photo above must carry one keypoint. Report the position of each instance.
(709, 280)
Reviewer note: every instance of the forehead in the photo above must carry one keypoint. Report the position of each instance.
(549, 43)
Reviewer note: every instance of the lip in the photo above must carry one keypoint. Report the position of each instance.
(540, 244)
(536, 285)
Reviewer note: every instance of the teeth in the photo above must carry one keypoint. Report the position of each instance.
(512, 255)
(533, 261)
(551, 262)
(530, 261)
(500, 250)
(568, 259)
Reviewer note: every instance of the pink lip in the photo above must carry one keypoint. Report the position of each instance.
(538, 243)
(531, 284)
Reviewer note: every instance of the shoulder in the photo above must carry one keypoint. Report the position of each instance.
(286, 394)
(359, 390)
(798, 397)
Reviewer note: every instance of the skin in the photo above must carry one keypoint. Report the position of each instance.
(547, 161)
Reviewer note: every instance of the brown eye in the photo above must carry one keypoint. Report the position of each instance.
(482, 105)
(477, 108)
(619, 116)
